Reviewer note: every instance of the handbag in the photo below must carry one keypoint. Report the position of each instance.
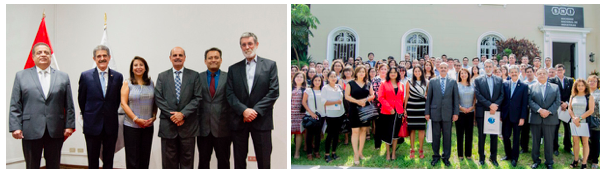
(345, 126)
(308, 120)
(592, 121)
(404, 128)
(368, 112)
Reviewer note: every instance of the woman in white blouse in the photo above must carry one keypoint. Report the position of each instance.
(332, 96)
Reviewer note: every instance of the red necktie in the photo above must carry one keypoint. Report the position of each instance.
(212, 84)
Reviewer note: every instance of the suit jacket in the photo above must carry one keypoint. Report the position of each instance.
(166, 98)
(99, 113)
(264, 93)
(31, 113)
(566, 90)
(514, 107)
(551, 103)
(389, 99)
(214, 112)
(483, 95)
(442, 107)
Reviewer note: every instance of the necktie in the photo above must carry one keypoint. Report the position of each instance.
(443, 85)
(103, 83)
(178, 85)
(212, 84)
(513, 87)
(490, 82)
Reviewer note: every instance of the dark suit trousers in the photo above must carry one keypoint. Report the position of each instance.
(567, 137)
(512, 152)
(482, 141)
(222, 151)
(525, 136)
(93, 148)
(594, 146)
(178, 153)
(464, 127)
(439, 128)
(547, 132)
(137, 146)
(32, 151)
(262, 145)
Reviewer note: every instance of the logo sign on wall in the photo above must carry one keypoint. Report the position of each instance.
(564, 16)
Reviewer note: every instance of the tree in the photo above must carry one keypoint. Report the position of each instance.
(302, 21)
(522, 47)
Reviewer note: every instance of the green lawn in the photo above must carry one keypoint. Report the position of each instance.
(376, 158)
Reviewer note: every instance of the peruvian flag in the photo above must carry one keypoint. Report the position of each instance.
(42, 36)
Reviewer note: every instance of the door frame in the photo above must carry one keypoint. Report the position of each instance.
(567, 35)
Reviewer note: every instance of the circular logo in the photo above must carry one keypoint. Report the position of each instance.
(491, 120)
(562, 11)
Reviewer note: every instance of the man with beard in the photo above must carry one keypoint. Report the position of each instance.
(177, 93)
(489, 93)
(252, 89)
(99, 100)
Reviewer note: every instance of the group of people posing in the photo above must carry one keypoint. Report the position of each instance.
(529, 98)
(214, 108)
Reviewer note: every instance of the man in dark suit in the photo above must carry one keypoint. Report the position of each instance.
(442, 108)
(252, 89)
(565, 86)
(489, 94)
(514, 112)
(214, 113)
(544, 101)
(99, 100)
(177, 93)
(41, 110)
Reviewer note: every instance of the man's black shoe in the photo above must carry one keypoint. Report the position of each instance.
(556, 153)
(523, 151)
(446, 163)
(549, 166)
(535, 165)
(494, 162)
(514, 163)
(482, 162)
(434, 161)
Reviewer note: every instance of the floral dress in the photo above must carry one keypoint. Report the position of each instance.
(296, 116)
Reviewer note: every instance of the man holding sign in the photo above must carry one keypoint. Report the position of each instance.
(514, 113)
(489, 93)
(544, 102)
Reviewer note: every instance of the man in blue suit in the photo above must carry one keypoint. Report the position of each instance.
(514, 111)
(99, 99)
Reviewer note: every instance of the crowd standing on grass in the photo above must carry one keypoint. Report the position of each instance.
(396, 100)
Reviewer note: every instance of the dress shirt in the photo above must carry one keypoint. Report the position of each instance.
(104, 77)
(208, 77)
(530, 82)
(490, 82)
(330, 94)
(513, 87)
(251, 66)
(44, 77)
(561, 81)
(543, 87)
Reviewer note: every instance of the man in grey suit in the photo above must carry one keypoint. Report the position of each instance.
(489, 94)
(177, 94)
(544, 101)
(41, 110)
(252, 89)
(214, 113)
(442, 108)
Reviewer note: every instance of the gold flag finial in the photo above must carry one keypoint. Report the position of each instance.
(43, 13)
(105, 19)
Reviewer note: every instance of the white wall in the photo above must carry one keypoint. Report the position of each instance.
(149, 31)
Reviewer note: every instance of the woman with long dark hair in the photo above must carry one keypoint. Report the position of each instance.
(415, 109)
(312, 98)
(464, 125)
(296, 110)
(391, 96)
(137, 100)
(358, 92)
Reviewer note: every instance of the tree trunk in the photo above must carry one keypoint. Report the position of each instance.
(296, 54)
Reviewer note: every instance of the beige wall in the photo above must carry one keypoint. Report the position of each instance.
(455, 29)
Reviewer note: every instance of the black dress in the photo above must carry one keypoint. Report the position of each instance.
(357, 93)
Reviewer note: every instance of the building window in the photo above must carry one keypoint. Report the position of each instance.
(487, 43)
(488, 46)
(344, 45)
(417, 45)
(416, 42)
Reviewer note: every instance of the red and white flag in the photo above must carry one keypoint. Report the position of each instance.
(41, 36)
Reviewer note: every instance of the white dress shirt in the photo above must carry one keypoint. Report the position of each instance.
(180, 74)
(44, 77)
(251, 66)
(104, 77)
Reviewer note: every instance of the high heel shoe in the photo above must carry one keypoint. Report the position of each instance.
(309, 157)
(327, 158)
(421, 155)
(583, 166)
(574, 164)
(317, 155)
(412, 154)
